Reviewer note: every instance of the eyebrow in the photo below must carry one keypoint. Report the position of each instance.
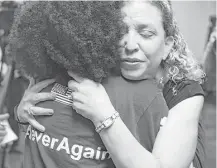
(144, 26)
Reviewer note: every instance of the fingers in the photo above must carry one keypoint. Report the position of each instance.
(31, 82)
(39, 97)
(4, 117)
(41, 111)
(36, 124)
(76, 77)
(80, 79)
(79, 97)
(41, 85)
(77, 106)
(74, 85)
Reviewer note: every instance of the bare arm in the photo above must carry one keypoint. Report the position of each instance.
(176, 142)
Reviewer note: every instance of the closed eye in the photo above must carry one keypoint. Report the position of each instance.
(147, 33)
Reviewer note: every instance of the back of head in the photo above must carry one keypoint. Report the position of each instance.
(82, 36)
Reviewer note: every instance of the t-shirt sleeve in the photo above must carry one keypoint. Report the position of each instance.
(182, 90)
(187, 89)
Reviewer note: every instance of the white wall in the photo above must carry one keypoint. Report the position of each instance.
(193, 21)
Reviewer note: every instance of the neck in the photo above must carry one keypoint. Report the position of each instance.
(161, 73)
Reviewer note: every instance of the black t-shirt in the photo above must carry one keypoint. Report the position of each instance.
(173, 95)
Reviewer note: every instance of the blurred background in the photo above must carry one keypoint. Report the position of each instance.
(197, 21)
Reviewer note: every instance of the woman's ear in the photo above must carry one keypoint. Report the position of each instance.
(168, 46)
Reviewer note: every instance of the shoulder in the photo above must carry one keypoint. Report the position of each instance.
(188, 110)
(174, 93)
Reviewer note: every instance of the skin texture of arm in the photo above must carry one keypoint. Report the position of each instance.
(175, 144)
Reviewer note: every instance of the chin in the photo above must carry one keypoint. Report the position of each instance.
(133, 75)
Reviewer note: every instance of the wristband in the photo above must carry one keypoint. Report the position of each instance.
(107, 122)
(17, 119)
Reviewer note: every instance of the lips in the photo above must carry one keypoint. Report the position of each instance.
(131, 63)
(131, 60)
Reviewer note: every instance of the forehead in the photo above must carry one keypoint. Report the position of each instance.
(142, 12)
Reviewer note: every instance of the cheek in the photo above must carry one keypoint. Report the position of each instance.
(150, 46)
(153, 49)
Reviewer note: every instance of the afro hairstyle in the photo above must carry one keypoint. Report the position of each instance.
(49, 37)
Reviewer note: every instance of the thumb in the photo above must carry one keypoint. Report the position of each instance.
(76, 77)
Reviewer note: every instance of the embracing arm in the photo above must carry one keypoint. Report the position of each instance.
(26, 110)
(175, 143)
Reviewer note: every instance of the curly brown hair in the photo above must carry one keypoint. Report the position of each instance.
(49, 37)
(180, 63)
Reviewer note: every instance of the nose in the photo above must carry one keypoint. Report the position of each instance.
(130, 44)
